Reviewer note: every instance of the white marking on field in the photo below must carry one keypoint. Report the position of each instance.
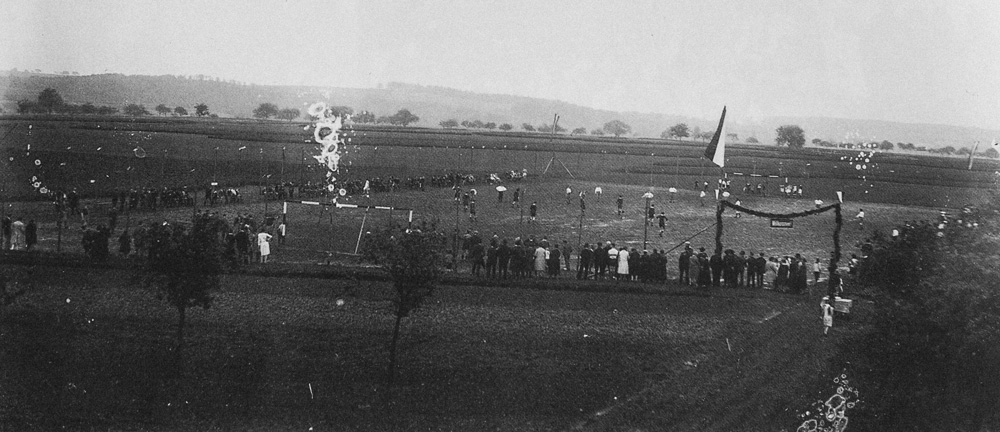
(769, 317)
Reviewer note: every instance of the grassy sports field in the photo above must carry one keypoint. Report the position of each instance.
(90, 349)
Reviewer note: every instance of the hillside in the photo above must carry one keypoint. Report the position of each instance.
(434, 104)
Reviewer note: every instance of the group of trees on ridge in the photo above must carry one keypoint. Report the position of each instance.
(49, 101)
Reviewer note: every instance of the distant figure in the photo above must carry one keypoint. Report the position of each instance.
(702, 197)
(31, 234)
(861, 219)
(621, 204)
(17, 240)
(569, 195)
(517, 198)
(827, 317)
(281, 233)
(533, 211)
(662, 221)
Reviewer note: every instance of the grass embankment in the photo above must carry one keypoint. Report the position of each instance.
(87, 349)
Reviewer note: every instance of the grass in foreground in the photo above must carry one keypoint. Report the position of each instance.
(87, 350)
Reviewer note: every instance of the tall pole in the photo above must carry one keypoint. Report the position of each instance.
(454, 244)
(645, 225)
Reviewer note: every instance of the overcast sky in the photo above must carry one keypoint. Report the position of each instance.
(916, 61)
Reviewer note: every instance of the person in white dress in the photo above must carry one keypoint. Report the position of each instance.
(827, 317)
(623, 263)
(541, 255)
(263, 243)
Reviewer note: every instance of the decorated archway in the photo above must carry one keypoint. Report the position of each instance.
(834, 259)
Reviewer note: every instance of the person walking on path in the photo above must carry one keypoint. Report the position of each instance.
(827, 317)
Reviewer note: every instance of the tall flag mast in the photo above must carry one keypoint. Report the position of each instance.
(716, 151)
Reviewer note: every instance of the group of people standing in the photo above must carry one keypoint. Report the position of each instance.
(17, 235)
(739, 270)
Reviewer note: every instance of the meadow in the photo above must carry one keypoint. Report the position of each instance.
(89, 348)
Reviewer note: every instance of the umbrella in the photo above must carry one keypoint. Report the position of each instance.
(139, 152)
(472, 192)
(501, 188)
(673, 190)
(647, 195)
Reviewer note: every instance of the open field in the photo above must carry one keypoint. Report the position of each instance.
(97, 157)
(87, 350)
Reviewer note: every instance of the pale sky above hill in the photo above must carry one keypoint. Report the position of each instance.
(920, 61)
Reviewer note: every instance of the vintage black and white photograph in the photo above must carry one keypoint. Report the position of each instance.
(428, 215)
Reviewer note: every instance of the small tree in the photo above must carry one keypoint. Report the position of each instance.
(185, 264)
(162, 109)
(506, 127)
(886, 145)
(201, 110)
(135, 110)
(180, 111)
(679, 130)
(731, 136)
(992, 153)
(490, 125)
(753, 140)
(289, 114)
(49, 100)
(448, 124)
(342, 111)
(364, 117)
(403, 117)
(466, 124)
(414, 259)
(790, 135)
(88, 108)
(265, 110)
(528, 127)
(477, 124)
(579, 131)
(597, 132)
(617, 128)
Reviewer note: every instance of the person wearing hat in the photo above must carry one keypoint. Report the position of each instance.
(683, 264)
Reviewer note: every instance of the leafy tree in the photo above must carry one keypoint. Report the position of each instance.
(528, 127)
(414, 259)
(490, 125)
(135, 110)
(49, 100)
(617, 128)
(707, 135)
(403, 117)
(886, 145)
(384, 120)
(162, 109)
(934, 333)
(790, 135)
(478, 124)
(364, 117)
(506, 127)
(696, 132)
(816, 141)
(753, 140)
(107, 110)
(597, 132)
(289, 114)
(265, 110)
(579, 131)
(201, 110)
(88, 108)
(25, 106)
(342, 111)
(448, 124)
(185, 265)
(964, 151)
(180, 111)
(679, 130)
(731, 136)
(466, 124)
